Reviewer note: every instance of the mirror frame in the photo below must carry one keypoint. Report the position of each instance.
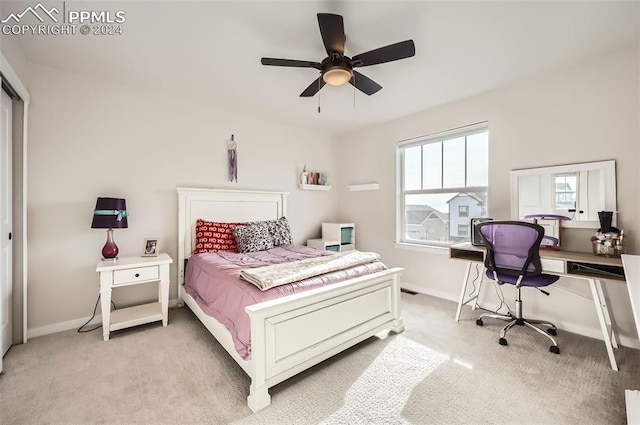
(607, 167)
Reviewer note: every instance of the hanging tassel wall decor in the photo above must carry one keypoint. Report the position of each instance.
(232, 154)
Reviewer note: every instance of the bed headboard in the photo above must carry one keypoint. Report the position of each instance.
(225, 206)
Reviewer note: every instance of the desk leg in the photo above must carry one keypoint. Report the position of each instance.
(480, 279)
(607, 318)
(602, 311)
(464, 289)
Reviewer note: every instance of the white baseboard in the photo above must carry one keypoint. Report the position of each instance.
(72, 324)
(568, 326)
(62, 326)
(427, 291)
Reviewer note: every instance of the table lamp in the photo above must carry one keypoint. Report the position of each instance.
(110, 213)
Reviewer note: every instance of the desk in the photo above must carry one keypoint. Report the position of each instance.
(631, 265)
(578, 265)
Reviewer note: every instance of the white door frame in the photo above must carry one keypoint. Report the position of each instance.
(12, 78)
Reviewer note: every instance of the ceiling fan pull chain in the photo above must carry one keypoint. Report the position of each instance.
(354, 91)
(319, 87)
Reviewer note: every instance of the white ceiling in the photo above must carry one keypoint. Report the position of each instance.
(210, 51)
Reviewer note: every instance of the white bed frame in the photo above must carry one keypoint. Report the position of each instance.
(290, 334)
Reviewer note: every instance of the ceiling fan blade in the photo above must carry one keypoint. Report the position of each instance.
(392, 52)
(313, 88)
(290, 62)
(365, 84)
(332, 31)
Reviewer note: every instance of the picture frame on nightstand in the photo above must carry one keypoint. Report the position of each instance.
(151, 247)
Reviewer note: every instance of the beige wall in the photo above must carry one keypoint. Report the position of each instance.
(15, 57)
(90, 138)
(589, 112)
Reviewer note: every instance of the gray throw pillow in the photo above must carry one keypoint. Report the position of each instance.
(253, 237)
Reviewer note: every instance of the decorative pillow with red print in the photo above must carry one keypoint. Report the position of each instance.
(212, 236)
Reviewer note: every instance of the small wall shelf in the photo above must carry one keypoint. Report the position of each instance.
(359, 187)
(305, 186)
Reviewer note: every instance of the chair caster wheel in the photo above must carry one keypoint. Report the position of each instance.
(554, 349)
(552, 331)
(502, 341)
(479, 322)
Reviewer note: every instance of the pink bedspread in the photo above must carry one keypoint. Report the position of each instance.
(212, 279)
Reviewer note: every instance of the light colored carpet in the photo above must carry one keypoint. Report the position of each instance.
(436, 372)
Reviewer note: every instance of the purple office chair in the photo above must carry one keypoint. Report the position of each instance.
(513, 257)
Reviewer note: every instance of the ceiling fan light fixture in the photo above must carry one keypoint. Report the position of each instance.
(336, 76)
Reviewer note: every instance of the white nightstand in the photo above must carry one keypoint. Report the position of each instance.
(132, 271)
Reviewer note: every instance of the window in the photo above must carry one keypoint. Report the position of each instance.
(566, 186)
(443, 182)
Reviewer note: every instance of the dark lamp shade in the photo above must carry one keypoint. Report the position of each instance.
(107, 212)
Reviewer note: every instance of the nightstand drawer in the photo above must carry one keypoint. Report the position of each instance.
(137, 274)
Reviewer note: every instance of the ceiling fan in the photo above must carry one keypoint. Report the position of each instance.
(337, 69)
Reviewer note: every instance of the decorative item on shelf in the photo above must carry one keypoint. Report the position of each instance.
(314, 180)
(608, 240)
(232, 154)
(151, 247)
(110, 213)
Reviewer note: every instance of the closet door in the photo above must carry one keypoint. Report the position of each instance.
(5, 223)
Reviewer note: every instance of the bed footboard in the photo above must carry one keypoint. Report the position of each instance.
(291, 334)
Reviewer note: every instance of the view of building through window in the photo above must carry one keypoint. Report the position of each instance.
(566, 188)
(444, 182)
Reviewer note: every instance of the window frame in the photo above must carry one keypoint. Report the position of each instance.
(466, 228)
(401, 193)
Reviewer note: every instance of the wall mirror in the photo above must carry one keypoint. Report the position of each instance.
(577, 191)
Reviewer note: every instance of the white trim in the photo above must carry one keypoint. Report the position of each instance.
(75, 324)
(428, 291)
(431, 249)
(436, 137)
(63, 326)
(25, 262)
(13, 79)
(15, 82)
